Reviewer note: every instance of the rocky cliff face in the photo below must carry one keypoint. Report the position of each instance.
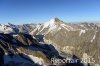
(22, 49)
(77, 39)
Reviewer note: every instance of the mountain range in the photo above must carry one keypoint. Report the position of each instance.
(37, 44)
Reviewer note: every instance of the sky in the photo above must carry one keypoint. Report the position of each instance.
(40, 11)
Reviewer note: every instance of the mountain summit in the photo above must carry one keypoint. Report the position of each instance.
(55, 20)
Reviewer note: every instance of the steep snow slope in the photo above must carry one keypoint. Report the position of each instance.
(53, 25)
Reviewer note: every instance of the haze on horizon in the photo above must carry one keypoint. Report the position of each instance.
(40, 11)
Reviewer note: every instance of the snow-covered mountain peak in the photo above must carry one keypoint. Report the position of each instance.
(49, 26)
(52, 22)
(5, 28)
(55, 20)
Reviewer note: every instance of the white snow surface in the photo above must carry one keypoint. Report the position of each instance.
(36, 59)
(5, 28)
(94, 37)
(82, 32)
(51, 24)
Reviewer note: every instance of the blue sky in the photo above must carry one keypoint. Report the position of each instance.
(39, 11)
